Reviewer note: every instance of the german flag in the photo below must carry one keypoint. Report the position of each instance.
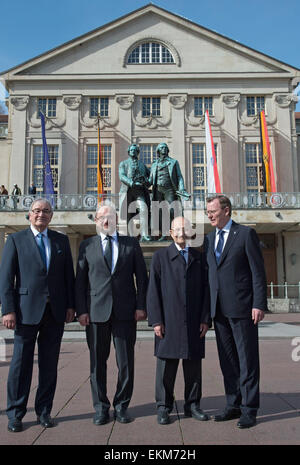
(267, 162)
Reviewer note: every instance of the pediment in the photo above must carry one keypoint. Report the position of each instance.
(104, 50)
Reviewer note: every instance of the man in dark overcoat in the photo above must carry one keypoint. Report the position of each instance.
(178, 309)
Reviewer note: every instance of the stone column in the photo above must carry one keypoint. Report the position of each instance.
(18, 149)
(286, 154)
(177, 102)
(69, 166)
(231, 178)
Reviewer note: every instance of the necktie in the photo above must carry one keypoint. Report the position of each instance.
(108, 252)
(42, 248)
(219, 248)
(184, 254)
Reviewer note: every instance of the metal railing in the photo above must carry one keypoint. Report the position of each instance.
(284, 291)
(88, 202)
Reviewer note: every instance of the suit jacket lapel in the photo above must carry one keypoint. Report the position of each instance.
(121, 251)
(230, 240)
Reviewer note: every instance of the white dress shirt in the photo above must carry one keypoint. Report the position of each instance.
(115, 247)
(46, 242)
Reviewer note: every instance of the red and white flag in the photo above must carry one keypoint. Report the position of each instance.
(213, 181)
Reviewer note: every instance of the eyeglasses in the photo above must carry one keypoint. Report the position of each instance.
(37, 211)
(103, 218)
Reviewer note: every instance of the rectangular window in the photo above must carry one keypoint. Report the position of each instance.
(150, 106)
(47, 106)
(255, 105)
(254, 175)
(148, 154)
(98, 106)
(201, 104)
(38, 166)
(199, 167)
(91, 172)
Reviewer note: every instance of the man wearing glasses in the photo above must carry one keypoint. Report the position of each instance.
(37, 294)
(110, 289)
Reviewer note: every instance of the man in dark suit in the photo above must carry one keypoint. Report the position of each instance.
(178, 309)
(109, 304)
(37, 294)
(32, 189)
(238, 302)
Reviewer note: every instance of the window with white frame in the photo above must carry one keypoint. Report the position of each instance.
(91, 170)
(150, 52)
(199, 167)
(98, 106)
(47, 106)
(254, 172)
(201, 104)
(38, 166)
(148, 154)
(255, 105)
(150, 106)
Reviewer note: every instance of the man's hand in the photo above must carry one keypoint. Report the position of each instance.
(70, 315)
(84, 319)
(9, 320)
(159, 331)
(257, 315)
(203, 329)
(140, 315)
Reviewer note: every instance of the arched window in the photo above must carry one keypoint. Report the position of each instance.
(150, 52)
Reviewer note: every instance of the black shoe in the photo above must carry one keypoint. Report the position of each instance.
(122, 416)
(246, 421)
(228, 415)
(163, 417)
(196, 412)
(15, 425)
(101, 418)
(45, 421)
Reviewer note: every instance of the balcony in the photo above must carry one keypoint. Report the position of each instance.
(267, 213)
(88, 202)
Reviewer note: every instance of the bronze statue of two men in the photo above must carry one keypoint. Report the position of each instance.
(167, 185)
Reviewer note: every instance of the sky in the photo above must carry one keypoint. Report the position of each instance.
(29, 28)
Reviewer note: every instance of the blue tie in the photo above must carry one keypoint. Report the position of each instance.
(184, 252)
(219, 248)
(42, 248)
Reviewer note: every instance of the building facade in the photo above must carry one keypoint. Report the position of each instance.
(150, 76)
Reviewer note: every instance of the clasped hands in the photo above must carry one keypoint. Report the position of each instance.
(84, 319)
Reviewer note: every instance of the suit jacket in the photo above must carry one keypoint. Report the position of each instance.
(178, 297)
(175, 176)
(98, 292)
(239, 281)
(25, 284)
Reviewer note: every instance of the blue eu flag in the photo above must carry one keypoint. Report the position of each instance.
(48, 181)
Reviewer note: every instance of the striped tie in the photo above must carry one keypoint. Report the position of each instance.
(219, 248)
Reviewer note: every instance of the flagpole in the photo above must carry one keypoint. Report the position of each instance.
(99, 163)
(213, 180)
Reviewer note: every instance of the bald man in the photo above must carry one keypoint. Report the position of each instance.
(111, 284)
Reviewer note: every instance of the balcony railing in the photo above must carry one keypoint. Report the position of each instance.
(88, 202)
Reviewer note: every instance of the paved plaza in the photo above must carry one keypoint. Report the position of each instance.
(278, 419)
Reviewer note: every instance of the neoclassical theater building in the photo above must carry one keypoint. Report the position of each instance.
(151, 75)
